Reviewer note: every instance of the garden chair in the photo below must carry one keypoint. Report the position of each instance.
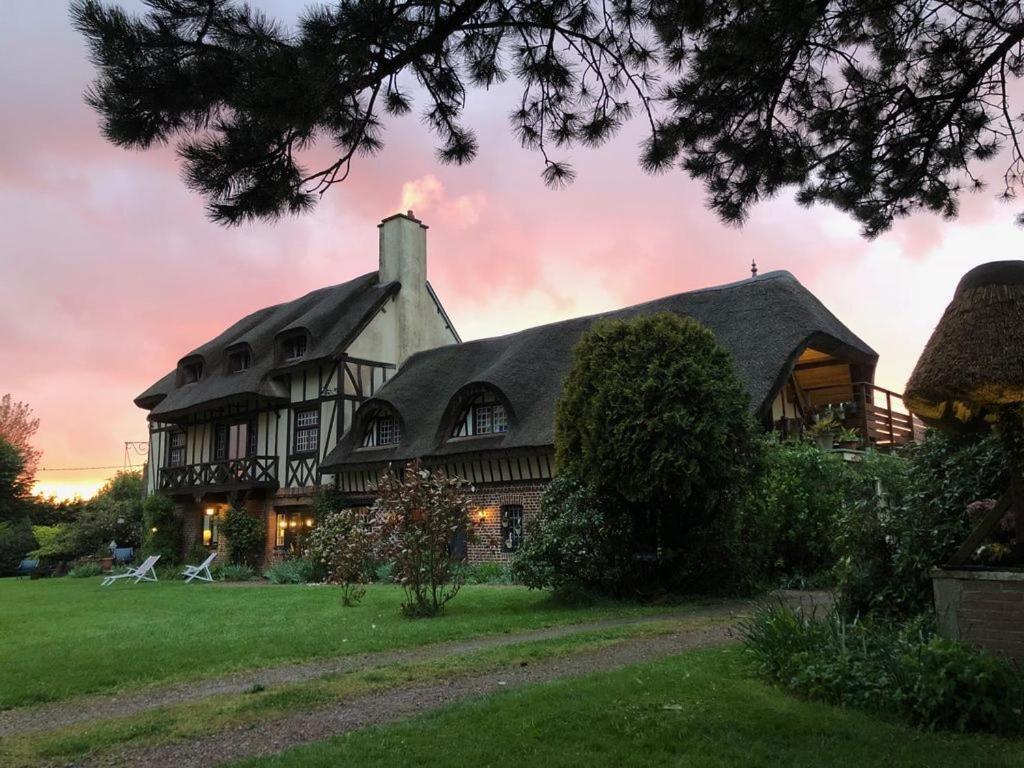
(201, 571)
(124, 555)
(144, 572)
(26, 568)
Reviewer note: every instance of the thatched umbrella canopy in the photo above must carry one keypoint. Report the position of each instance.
(973, 365)
(971, 374)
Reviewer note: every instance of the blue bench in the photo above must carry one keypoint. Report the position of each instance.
(124, 555)
(26, 568)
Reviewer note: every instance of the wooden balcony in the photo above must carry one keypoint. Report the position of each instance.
(230, 475)
(879, 415)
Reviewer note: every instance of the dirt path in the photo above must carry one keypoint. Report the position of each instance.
(61, 714)
(375, 709)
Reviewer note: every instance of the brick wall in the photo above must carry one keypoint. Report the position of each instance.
(487, 500)
(983, 608)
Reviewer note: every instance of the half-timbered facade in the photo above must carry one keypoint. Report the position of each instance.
(250, 416)
(485, 410)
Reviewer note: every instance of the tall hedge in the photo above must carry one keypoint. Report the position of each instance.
(653, 415)
(162, 529)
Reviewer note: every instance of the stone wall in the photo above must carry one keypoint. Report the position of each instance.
(487, 501)
(982, 608)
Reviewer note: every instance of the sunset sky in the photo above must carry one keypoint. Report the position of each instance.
(111, 271)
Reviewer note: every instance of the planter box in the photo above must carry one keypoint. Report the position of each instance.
(984, 608)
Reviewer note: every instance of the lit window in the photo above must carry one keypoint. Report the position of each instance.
(484, 416)
(211, 529)
(383, 430)
(307, 431)
(176, 452)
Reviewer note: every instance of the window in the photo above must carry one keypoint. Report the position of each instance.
(191, 372)
(511, 527)
(291, 529)
(239, 360)
(307, 431)
(234, 441)
(211, 528)
(382, 430)
(484, 416)
(295, 348)
(176, 449)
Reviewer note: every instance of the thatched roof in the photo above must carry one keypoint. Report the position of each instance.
(765, 322)
(974, 361)
(330, 317)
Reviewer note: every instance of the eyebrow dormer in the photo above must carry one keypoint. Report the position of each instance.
(239, 358)
(479, 410)
(293, 346)
(382, 428)
(190, 370)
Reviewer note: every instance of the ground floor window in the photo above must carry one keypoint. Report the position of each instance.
(511, 527)
(211, 528)
(291, 529)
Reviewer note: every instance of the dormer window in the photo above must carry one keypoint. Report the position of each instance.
(239, 360)
(191, 372)
(294, 348)
(485, 415)
(383, 429)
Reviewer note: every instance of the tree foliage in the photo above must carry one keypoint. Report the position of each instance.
(877, 108)
(18, 427)
(422, 513)
(162, 534)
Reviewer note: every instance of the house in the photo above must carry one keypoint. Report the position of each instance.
(249, 416)
(485, 410)
(335, 386)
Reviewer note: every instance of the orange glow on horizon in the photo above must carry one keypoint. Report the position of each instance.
(66, 490)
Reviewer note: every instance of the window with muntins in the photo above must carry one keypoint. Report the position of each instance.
(176, 449)
(511, 527)
(382, 430)
(234, 441)
(295, 348)
(484, 416)
(307, 431)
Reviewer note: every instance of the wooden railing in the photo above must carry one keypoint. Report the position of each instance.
(249, 472)
(879, 415)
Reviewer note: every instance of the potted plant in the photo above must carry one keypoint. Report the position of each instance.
(824, 429)
(848, 438)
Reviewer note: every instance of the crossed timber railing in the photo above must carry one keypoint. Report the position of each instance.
(248, 472)
(879, 415)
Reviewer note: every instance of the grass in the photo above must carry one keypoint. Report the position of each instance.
(701, 710)
(60, 638)
(201, 718)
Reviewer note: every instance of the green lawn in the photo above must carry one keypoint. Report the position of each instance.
(64, 637)
(699, 710)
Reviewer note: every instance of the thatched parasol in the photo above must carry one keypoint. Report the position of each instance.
(971, 372)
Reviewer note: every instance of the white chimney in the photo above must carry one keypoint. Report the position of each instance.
(403, 259)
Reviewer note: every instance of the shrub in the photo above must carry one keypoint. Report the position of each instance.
(489, 573)
(16, 541)
(383, 572)
(117, 514)
(294, 571)
(653, 417)
(886, 668)
(234, 572)
(85, 570)
(246, 536)
(790, 515)
(578, 540)
(889, 541)
(342, 543)
(163, 528)
(422, 514)
(52, 542)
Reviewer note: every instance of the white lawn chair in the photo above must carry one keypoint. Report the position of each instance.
(201, 571)
(144, 572)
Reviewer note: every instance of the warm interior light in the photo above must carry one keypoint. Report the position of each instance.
(482, 514)
(209, 511)
(292, 524)
(282, 523)
(207, 537)
(309, 522)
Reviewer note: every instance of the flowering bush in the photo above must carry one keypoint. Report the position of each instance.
(342, 543)
(424, 517)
